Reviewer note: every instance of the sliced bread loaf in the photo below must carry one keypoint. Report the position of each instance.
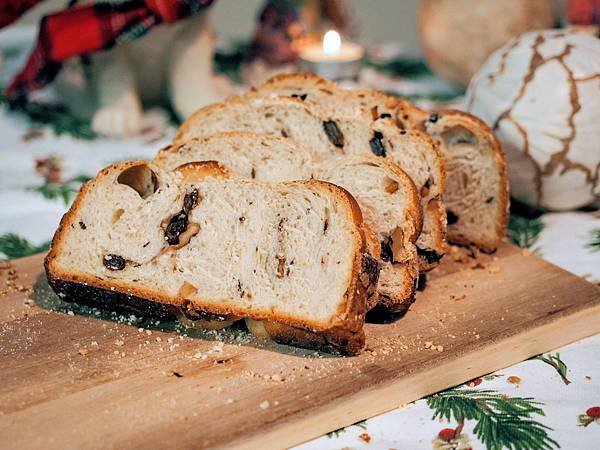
(246, 154)
(476, 194)
(386, 195)
(329, 135)
(196, 243)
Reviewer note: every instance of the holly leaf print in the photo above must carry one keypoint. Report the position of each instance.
(591, 415)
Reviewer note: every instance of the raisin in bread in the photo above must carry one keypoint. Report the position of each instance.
(386, 195)
(197, 243)
(328, 135)
(476, 194)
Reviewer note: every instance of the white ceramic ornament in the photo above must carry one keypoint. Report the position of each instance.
(541, 95)
(171, 64)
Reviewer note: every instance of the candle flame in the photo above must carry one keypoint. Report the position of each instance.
(332, 42)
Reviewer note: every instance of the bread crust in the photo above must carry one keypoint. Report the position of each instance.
(405, 298)
(429, 256)
(409, 116)
(87, 289)
(180, 138)
(398, 295)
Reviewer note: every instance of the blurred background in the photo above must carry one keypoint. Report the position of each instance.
(380, 20)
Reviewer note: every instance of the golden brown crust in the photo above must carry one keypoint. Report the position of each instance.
(197, 170)
(174, 148)
(428, 257)
(409, 116)
(129, 296)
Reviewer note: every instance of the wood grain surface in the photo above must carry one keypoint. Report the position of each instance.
(74, 377)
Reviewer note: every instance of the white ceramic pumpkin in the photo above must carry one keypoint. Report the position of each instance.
(541, 95)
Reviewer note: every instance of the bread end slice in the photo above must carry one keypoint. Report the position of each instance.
(151, 279)
(475, 216)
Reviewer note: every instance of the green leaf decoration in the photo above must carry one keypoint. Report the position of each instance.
(56, 116)
(80, 179)
(336, 433)
(502, 421)
(557, 363)
(229, 62)
(406, 67)
(595, 240)
(14, 246)
(524, 231)
(65, 191)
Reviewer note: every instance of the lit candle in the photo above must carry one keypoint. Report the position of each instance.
(334, 58)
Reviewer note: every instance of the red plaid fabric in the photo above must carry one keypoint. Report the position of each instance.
(584, 12)
(11, 10)
(86, 29)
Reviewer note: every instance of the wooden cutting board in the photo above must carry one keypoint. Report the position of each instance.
(80, 380)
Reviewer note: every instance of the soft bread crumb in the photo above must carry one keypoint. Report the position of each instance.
(264, 405)
(494, 269)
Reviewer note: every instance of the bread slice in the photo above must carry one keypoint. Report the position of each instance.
(246, 154)
(391, 208)
(329, 135)
(476, 194)
(386, 195)
(194, 242)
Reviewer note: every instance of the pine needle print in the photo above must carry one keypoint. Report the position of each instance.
(502, 421)
(57, 117)
(14, 246)
(336, 433)
(557, 363)
(524, 231)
